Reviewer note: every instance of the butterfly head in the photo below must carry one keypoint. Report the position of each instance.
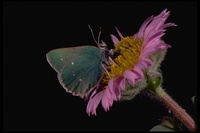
(101, 45)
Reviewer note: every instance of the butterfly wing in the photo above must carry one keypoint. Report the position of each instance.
(79, 68)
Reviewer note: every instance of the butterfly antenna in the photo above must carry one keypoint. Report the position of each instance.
(99, 35)
(93, 35)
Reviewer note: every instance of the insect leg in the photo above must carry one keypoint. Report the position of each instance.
(106, 70)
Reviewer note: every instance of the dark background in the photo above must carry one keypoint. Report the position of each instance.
(33, 99)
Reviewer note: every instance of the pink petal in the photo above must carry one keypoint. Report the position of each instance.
(162, 46)
(119, 33)
(114, 39)
(148, 62)
(93, 93)
(149, 51)
(160, 19)
(94, 102)
(143, 27)
(110, 87)
(153, 37)
(141, 64)
(117, 90)
(130, 76)
(106, 101)
(109, 93)
(123, 84)
(153, 44)
(167, 25)
(139, 72)
(156, 23)
(110, 83)
(88, 94)
(144, 63)
(151, 48)
(114, 87)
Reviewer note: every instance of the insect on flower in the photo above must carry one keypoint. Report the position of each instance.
(79, 68)
(133, 57)
(102, 75)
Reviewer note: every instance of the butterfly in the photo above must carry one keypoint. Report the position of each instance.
(79, 68)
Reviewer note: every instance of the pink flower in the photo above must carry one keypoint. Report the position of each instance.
(133, 58)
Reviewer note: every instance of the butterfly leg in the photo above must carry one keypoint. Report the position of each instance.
(106, 70)
(110, 60)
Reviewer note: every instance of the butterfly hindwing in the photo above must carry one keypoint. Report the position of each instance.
(83, 75)
(79, 68)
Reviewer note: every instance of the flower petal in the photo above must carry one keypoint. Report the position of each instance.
(159, 20)
(123, 84)
(119, 33)
(149, 51)
(130, 76)
(114, 87)
(138, 72)
(106, 101)
(162, 46)
(114, 39)
(110, 87)
(167, 25)
(94, 102)
(143, 27)
(149, 40)
(92, 90)
(156, 23)
(144, 63)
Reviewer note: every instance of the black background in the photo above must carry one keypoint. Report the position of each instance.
(33, 99)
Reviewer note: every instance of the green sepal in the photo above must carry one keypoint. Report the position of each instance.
(193, 99)
(169, 124)
(154, 84)
(161, 128)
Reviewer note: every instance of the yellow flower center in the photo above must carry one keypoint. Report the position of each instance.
(128, 50)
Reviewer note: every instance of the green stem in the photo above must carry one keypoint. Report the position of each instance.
(177, 110)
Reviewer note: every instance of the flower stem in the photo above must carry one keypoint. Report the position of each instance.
(177, 110)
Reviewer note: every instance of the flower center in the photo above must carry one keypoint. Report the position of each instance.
(128, 50)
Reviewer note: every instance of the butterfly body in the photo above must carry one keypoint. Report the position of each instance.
(79, 68)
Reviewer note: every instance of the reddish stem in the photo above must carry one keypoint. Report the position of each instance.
(177, 110)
